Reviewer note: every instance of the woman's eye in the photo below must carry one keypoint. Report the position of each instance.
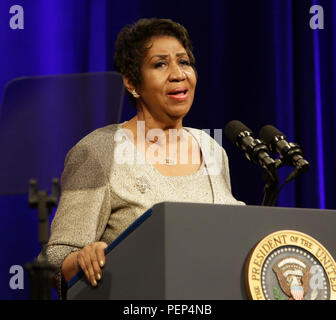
(185, 62)
(160, 64)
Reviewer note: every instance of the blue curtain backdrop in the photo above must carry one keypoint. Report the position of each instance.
(258, 61)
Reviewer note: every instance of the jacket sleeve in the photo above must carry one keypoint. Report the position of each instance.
(83, 209)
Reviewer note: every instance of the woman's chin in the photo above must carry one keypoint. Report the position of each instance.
(178, 110)
(177, 115)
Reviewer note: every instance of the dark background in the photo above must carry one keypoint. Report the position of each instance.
(258, 61)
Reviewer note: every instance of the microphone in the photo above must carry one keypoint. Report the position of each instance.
(290, 153)
(255, 149)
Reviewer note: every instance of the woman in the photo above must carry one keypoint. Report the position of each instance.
(118, 172)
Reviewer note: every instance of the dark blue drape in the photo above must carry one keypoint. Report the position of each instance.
(258, 61)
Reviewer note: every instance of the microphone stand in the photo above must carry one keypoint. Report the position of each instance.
(40, 271)
(272, 182)
(271, 178)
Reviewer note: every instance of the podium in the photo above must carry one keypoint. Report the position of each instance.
(192, 251)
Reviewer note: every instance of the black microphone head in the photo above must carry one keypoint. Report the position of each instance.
(268, 133)
(233, 128)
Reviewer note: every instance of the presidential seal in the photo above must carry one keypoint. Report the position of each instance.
(290, 265)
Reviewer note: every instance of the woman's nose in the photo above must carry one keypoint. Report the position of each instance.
(176, 73)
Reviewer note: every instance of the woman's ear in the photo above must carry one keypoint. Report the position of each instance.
(130, 87)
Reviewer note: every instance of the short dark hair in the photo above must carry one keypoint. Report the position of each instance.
(131, 46)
